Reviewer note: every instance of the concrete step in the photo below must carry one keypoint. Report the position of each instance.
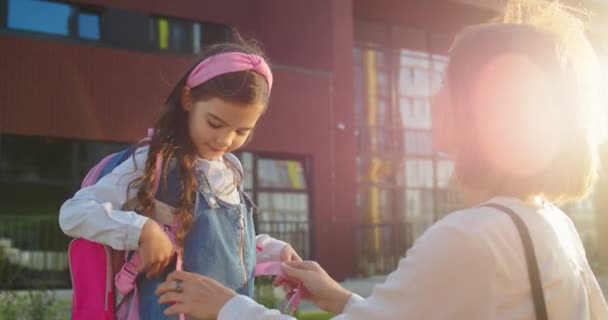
(34, 259)
(39, 260)
(5, 243)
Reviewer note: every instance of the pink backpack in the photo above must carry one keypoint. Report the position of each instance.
(103, 281)
(99, 274)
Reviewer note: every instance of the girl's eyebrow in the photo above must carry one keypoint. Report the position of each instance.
(223, 122)
(211, 115)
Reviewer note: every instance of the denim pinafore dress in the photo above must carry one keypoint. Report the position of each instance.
(219, 245)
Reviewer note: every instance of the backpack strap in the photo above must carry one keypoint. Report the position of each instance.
(276, 269)
(94, 174)
(125, 280)
(116, 160)
(538, 295)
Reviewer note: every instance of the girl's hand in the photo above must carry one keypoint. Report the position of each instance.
(323, 291)
(287, 254)
(155, 249)
(200, 297)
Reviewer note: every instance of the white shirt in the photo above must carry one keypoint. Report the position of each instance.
(471, 265)
(222, 178)
(95, 213)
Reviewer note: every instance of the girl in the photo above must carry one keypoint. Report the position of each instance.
(210, 113)
(519, 115)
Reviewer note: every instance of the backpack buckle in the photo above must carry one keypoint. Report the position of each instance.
(125, 278)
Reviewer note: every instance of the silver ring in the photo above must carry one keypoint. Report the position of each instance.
(178, 286)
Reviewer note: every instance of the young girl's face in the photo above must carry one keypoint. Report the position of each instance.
(217, 126)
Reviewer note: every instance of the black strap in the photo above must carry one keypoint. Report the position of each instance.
(533, 272)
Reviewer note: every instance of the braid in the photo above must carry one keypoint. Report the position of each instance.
(187, 197)
(146, 193)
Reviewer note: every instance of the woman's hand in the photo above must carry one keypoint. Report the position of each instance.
(288, 253)
(155, 249)
(323, 291)
(200, 297)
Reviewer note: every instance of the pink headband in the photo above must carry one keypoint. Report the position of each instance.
(228, 62)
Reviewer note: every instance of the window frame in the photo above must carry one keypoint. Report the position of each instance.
(256, 189)
(393, 54)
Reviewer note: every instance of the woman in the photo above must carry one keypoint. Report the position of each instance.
(519, 116)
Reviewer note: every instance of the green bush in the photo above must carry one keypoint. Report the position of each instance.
(13, 276)
(317, 315)
(29, 304)
(264, 293)
(9, 273)
(32, 305)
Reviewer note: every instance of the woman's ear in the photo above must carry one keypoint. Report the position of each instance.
(186, 99)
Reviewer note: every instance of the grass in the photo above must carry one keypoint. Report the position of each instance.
(33, 305)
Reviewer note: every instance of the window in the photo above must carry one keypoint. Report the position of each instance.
(35, 159)
(112, 26)
(418, 173)
(52, 18)
(45, 169)
(177, 35)
(419, 203)
(88, 26)
(214, 33)
(376, 169)
(91, 152)
(280, 190)
(414, 73)
(40, 16)
(418, 142)
(415, 112)
(376, 140)
(403, 185)
(162, 33)
(287, 174)
(37, 174)
(378, 203)
(398, 169)
(131, 29)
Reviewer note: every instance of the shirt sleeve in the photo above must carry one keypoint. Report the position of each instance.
(446, 275)
(243, 307)
(95, 212)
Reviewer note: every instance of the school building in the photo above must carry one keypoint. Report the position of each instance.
(341, 166)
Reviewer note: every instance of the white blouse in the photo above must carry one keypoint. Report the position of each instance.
(471, 265)
(95, 212)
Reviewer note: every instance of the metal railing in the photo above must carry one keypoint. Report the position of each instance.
(33, 253)
(296, 233)
(33, 250)
(380, 246)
